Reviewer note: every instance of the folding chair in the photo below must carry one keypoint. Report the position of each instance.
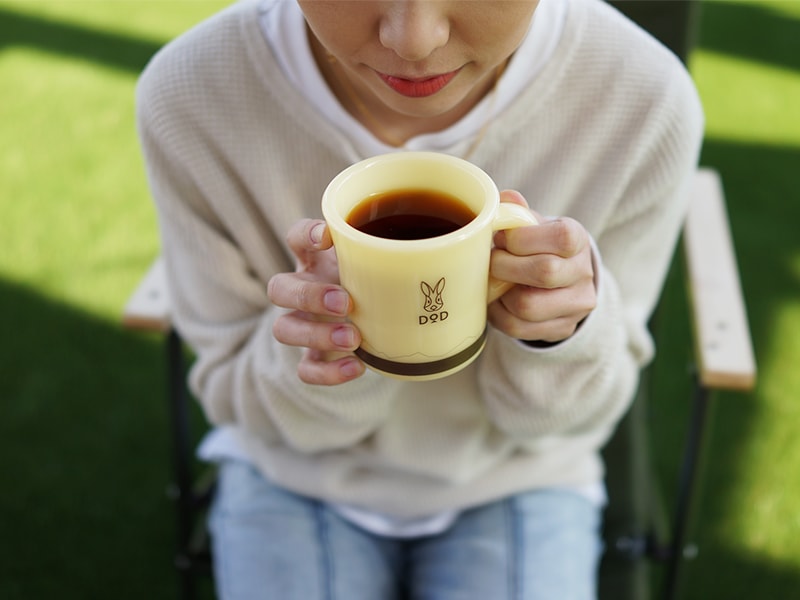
(635, 531)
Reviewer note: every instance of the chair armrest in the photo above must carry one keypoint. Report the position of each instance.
(148, 308)
(723, 346)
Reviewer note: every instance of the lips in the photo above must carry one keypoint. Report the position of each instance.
(418, 87)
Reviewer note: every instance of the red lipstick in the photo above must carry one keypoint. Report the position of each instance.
(418, 87)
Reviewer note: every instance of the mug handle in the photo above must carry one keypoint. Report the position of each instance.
(509, 216)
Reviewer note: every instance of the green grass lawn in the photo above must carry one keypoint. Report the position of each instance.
(84, 461)
(83, 429)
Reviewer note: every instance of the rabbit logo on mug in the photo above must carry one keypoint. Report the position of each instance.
(433, 303)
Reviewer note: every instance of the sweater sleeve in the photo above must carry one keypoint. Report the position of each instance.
(587, 381)
(220, 250)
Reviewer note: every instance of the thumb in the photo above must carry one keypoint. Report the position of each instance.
(514, 197)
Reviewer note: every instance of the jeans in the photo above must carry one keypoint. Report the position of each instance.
(272, 544)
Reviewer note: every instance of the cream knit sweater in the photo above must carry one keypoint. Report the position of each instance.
(608, 133)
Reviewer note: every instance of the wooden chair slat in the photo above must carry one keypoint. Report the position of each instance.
(148, 308)
(724, 351)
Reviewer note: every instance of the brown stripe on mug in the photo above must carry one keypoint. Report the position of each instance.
(421, 369)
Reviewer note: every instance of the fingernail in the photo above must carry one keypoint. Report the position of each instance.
(351, 368)
(336, 301)
(317, 232)
(344, 337)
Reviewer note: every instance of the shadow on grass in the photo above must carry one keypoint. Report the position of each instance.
(84, 457)
(760, 33)
(764, 227)
(111, 49)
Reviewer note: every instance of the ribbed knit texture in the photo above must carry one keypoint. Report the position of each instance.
(608, 134)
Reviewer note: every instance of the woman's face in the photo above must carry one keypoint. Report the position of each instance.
(416, 59)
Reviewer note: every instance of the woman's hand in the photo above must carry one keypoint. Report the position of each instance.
(318, 308)
(551, 263)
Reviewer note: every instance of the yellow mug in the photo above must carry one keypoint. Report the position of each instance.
(420, 304)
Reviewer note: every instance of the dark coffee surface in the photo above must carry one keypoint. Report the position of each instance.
(410, 214)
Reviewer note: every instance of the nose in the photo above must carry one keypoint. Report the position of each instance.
(413, 29)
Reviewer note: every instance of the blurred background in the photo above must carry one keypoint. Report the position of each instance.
(83, 444)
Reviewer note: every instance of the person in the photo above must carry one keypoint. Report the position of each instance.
(335, 481)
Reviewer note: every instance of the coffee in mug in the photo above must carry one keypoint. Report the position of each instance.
(410, 214)
(414, 214)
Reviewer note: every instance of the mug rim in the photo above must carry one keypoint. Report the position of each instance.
(338, 222)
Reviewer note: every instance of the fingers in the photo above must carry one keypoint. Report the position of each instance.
(514, 197)
(552, 265)
(554, 254)
(549, 315)
(312, 287)
(306, 331)
(318, 307)
(563, 237)
(328, 358)
(308, 235)
(303, 292)
(317, 368)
